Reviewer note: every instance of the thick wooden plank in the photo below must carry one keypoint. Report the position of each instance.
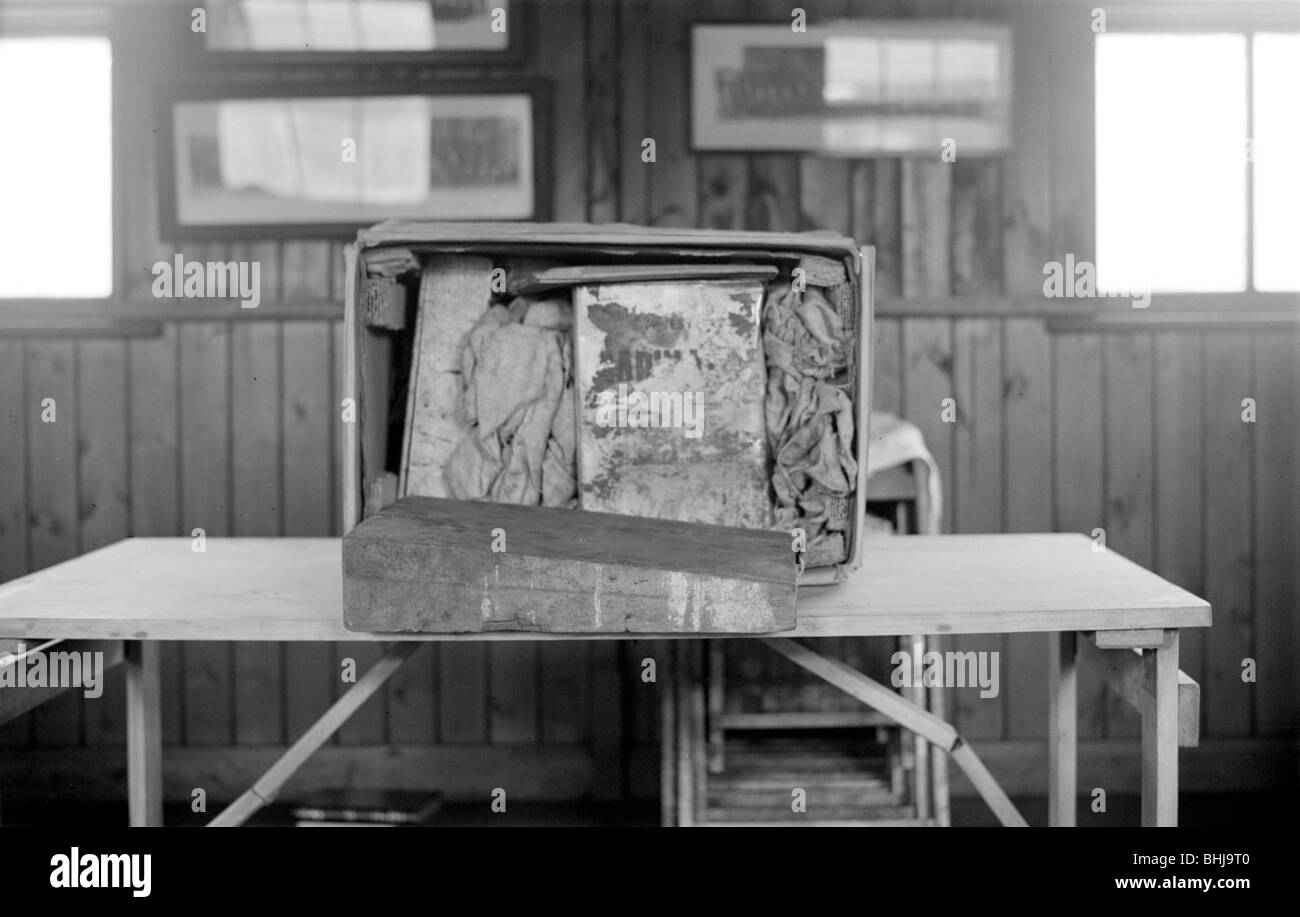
(1276, 526)
(205, 475)
(877, 218)
(925, 218)
(312, 673)
(1027, 420)
(155, 480)
(978, 483)
(433, 565)
(102, 493)
(1229, 563)
(52, 496)
(1079, 464)
(927, 381)
(1130, 498)
(1179, 477)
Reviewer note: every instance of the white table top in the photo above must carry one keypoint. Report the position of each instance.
(291, 589)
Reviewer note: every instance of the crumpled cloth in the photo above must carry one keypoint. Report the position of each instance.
(518, 400)
(810, 418)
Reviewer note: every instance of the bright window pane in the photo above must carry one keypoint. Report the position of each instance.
(1171, 162)
(1276, 152)
(56, 188)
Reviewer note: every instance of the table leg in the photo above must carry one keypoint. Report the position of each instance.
(144, 733)
(1160, 735)
(1063, 729)
(268, 785)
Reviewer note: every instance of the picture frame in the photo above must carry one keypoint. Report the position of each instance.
(852, 89)
(291, 33)
(241, 161)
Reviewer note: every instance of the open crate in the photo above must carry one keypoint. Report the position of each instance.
(383, 315)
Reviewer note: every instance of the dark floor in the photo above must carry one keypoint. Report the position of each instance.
(1227, 810)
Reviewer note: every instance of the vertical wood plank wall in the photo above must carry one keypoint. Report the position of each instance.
(231, 425)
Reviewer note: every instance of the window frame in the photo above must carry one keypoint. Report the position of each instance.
(19, 314)
(1246, 19)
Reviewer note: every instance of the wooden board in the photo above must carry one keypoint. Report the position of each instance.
(454, 292)
(526, 283)
(425, 564)
(671, 385)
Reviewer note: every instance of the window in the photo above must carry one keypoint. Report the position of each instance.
(1197, 136)
(56, 186)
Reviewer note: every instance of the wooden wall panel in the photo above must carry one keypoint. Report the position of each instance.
(1027, 437)
(1078, 473)
(1179, 474)
(1130, 497)
(258, 508)
(204, 384)
(1229, 569)
(102, 474)
(1276, 531)
(13, 461)
(154, 426)
(978, 484)
(52, 496)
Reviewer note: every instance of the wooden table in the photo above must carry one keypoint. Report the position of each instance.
(1097, 606)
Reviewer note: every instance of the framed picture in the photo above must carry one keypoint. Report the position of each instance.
(310, 161)
(854, 89)
(481, 33)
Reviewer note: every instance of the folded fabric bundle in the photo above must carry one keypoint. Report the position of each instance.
(810, 417)
(518, 400)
